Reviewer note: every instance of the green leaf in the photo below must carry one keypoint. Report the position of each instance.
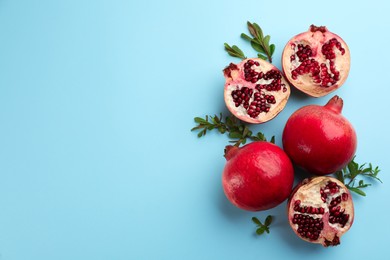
(348, 175)
(229, 121)
(268, 220)
(266, 43)
(339, 176)
(252, 30)
(272, 140)
(358, 191)
(238, 50)
(262, 56)
(235, 135)
(221, 130)
(200, 120)
(245, 132)
(234, 51)
(256, 221)
(259, 32)
(353, 168)
(260, 230)
(257, 47)
(272, 49)
(235, 129)
(266, 40)
(246, 37)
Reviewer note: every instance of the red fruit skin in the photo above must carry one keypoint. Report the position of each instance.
(319, 139)
(257, 176)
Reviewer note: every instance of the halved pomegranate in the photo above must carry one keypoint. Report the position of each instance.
(320, 210)
(317, 62)
(255, 90)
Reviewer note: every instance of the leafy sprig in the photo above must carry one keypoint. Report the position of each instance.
(237, 131)
(261, 228)
(234, 51)
(259, 42)
(349, 174)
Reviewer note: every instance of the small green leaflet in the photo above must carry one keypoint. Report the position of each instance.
(259, 42)
(234, 51)
(261, 228)
(237, 131)
(349, 174)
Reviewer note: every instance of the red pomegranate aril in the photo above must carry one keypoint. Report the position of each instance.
(261, 78)
(318, 221)
(305, 52)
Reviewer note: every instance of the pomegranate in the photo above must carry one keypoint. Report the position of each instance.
(316, 62)
(320, 210)
(319, 139)
(255, 90)
(257, 176)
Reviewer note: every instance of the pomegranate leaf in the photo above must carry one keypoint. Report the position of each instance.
(255, 45)
(254, 27)
(349, 174)
(261, 56)
(268, 220)
(259, 43)
(235, 130)
(234, 51)
(261, 228)
(357, 190)
(272, 49)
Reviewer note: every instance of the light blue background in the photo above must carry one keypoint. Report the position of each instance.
(97, 99)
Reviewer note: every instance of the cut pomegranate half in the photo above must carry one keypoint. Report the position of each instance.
(317, 62)
(320, 210)
(255, 90)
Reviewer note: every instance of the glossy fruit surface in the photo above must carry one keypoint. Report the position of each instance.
(257, 176)
(320, 139)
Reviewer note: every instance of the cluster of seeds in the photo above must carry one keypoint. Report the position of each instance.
(319, 72)
(336, 213)
(308, 209)
(329, 189)
(260, 102)
(308, 227)
(256, 100)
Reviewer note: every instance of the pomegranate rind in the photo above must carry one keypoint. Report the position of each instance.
(257, 176)
(308, 192)
(234, 77)
(320, 139)
(315, 40)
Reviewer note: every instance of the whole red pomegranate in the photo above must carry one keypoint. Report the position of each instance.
(320, 210)
(257, 176)
(319, 139)
(255, 90)
(316, 62)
